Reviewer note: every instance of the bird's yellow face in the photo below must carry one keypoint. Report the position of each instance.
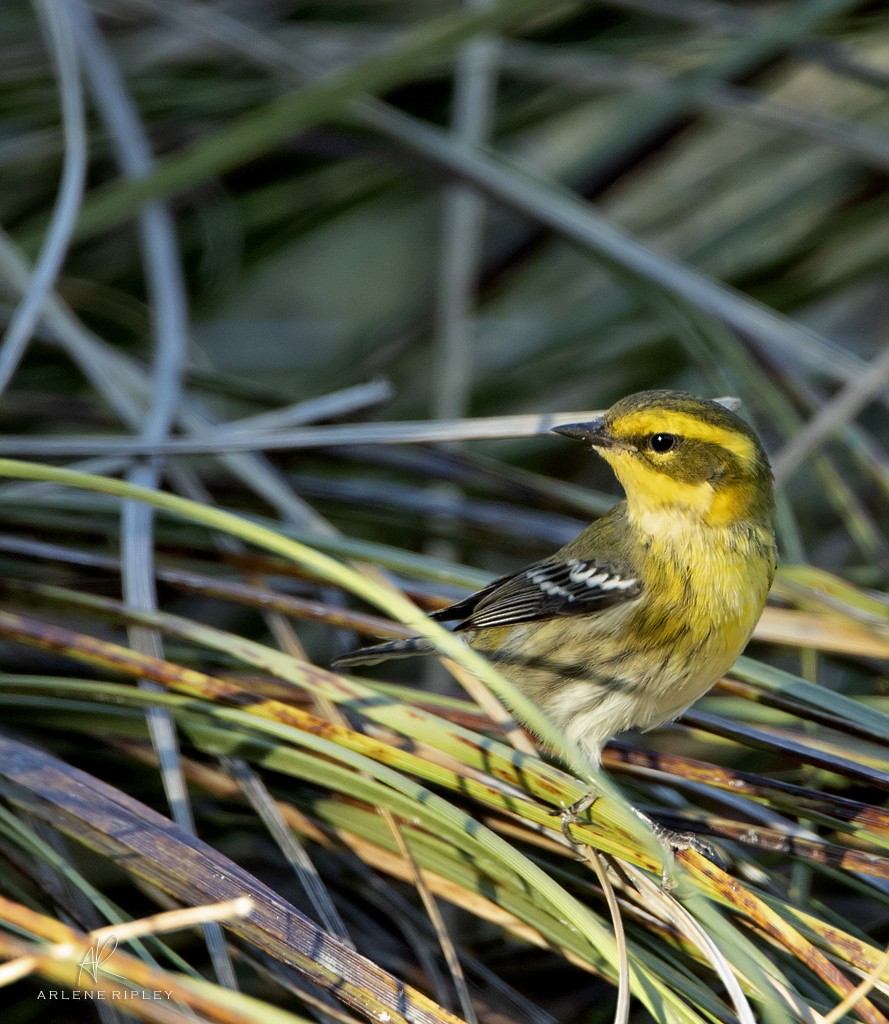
(674, 452)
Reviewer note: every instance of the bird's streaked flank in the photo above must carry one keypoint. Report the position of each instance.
(633, 620)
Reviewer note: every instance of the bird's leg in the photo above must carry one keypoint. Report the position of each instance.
(674, 841)
(670, 839)
(571, 815)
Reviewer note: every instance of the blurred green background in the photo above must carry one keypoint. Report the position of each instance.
(743, 145)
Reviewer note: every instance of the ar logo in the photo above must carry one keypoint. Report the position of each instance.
(97, 955)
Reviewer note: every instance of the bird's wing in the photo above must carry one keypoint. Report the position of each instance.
(545, 590)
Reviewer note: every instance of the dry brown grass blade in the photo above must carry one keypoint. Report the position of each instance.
(669, 767)
(815, 589)
(861, 956)
(150, 846)
(727, 890)
(816, 851)
(821, 632)
(852, 1000)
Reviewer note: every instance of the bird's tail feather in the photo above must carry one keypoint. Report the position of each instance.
(384, 652)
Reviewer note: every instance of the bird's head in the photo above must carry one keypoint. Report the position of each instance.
(673, 451)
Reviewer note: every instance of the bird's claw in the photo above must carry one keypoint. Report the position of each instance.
(674, 842)
(670, 839)
(571, 815)
(689, 841)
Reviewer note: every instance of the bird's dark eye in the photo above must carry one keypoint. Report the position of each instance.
(662, 442)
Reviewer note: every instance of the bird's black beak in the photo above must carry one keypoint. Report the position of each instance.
(595, 433)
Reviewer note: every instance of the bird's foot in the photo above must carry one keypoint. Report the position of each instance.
(571, 815)
(690, 841)
(671, 839)
(674, 841)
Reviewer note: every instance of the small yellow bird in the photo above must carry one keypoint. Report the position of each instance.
(633, 620)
